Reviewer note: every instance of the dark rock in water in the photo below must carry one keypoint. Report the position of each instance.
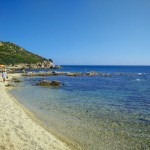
(16, 80)
(44, 83)
(92, 73)
(55, 83)
(57, 67)
(9, 85)
(48, 83)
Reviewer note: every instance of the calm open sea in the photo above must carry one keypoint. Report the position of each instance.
(96, 113)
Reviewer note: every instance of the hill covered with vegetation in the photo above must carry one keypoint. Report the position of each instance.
(11, 53)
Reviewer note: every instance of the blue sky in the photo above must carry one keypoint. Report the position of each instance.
(80, 32)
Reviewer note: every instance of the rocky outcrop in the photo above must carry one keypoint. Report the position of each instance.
(73, 74)
(43, 64)
(92, 73)
(57, 67)
(48, 83)
(55, 83)
(55, 73)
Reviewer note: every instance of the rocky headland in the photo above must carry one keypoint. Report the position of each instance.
(16, 57)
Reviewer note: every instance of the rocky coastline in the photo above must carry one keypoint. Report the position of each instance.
(56, 73)
(22, 68)
(44, 64)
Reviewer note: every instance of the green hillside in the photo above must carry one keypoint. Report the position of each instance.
(11, 53)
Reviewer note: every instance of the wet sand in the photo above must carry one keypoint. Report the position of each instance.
(18, 131)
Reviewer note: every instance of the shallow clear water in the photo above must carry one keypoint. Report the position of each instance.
(94, 112)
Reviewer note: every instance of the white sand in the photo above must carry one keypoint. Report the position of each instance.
(18, 131)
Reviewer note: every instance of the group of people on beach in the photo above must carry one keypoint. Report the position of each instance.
(4, 74)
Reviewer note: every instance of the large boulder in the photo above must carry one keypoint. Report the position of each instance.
(46, 64)
(49, 83)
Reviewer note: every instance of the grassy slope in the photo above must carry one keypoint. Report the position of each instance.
(11, 53)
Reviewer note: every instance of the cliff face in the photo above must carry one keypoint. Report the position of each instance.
(14, 55)
(43, 64)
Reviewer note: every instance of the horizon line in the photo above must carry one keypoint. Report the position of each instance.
(101, 65)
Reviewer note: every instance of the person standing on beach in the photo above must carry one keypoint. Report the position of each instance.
(4, 75)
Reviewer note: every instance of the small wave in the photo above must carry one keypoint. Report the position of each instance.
(137, 79)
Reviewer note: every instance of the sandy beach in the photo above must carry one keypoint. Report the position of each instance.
(18, 131)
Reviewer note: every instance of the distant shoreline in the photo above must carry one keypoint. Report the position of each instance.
(112, 65)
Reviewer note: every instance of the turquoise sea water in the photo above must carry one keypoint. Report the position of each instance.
(96, 113)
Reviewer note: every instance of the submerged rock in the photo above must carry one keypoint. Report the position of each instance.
(9, 85)
(44, 83)
(55, 83)
(48, 83)
(16, 80)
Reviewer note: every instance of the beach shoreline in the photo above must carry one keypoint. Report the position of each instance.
(19, 128)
